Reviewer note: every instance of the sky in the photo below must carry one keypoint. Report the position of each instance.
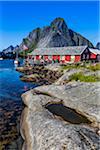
(18, 18)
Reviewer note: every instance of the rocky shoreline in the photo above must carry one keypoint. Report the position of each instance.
(39, 75)
(44, 126)
(10, 113)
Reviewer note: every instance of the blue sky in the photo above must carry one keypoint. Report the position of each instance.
(19, 18)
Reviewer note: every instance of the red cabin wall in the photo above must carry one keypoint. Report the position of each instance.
(56, 57)
(45, 57)
(92, 56)
(77, 58)
(53, 57)
(67, 57)
(37, 57)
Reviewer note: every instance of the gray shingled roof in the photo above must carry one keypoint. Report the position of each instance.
(70, 50)
(95, 51)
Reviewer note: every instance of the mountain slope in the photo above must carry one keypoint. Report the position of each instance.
(9, 52)
(98, 45)
(56, 35)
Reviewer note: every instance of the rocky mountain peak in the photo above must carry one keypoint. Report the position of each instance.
(57, 34)
(59, 24)
(9, 49)
(98, 45)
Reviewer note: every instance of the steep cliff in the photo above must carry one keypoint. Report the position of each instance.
(56, 35)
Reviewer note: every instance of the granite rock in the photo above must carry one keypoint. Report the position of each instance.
(43, 130)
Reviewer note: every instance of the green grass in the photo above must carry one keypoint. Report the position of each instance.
(94, 67)
(81, 77)
(71, 66)
(90, 66)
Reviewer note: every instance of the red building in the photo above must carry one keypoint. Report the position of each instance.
(94, 54)
(65, 54)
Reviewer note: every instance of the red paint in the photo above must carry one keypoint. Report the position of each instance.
(67, 57)
(37, 57)
(45, 57)
(56, 57)
(59, 57)
(77, 58)
(92, 56)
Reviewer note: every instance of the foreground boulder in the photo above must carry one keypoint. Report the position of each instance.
(44, 126)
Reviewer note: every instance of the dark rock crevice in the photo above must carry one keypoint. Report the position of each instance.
(66, 113)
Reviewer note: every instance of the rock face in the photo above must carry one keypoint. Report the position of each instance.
(8, 52)
(56, 35)
(41, 129)
(98, 45)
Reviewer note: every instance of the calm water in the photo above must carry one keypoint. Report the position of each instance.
(10, 85)
(11, 105)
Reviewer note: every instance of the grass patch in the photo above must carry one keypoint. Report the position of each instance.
(81, 77)
(71, 66)
(90, 66)
(94, 67)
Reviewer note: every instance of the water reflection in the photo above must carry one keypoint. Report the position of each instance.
(15, 66)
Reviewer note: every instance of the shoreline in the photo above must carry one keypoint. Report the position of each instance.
(9, 124)
(35, 99)
(60, 77)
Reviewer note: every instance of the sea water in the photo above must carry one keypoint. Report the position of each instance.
(11, 87)
(11, 105)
